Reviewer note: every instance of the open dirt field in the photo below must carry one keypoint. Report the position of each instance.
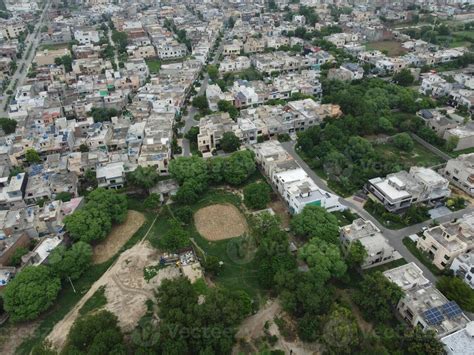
(218, 222)
(118, 237)
(12, 335)
(126, 291)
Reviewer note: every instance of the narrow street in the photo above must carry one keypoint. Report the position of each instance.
(189, 119)
(32, 40)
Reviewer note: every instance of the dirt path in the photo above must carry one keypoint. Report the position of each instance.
(119, 235)
(252, 328)
(58, 335)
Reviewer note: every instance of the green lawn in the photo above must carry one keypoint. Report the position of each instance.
(238, 272)
(345, 218)
(419, 156)
(52, 46)
(154, 65)
(393, 48)
(391, 265)
(420, 255)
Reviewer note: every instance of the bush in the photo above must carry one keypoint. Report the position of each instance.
(184, 214)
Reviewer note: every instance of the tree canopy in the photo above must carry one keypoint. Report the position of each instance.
(71, 262)
(457, 290)
(144, 177)
(8, 125)
(315, 221)
(96, 333)
(257, 195)
(31, 292)
(229, 142)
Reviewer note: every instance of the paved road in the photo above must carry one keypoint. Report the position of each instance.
(395, 237)
(33, 40)
(189, 120)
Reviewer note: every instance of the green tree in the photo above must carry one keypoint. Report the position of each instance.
(212, 265)
(8, 125)
(30, 293)
(152, 202)
(121, 40)
(185, 168)
(184, 214)
(226, 106)
(96, 333)
(315, 221)
(174, 239)
(32, 156)
(377, 297)
(71, 262)
(143, 177)
(200, 102)
(404, 77)
(257, 195)
(212, 71)
(403, 141)
(356, 254)
(15, 259)
(192, 134)
(113, 203)
(229, 142)
(417, 341)
(341, 335)
(189, 192)
(457, 290)
(63, 196)
(88, 224)
(324, 259)
(65, 60)
(239, 167)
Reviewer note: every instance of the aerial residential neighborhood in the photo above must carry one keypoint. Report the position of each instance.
(237, 177)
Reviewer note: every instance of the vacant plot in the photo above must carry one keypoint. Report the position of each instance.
(125, 290)
(419, 156)
(219, 222)
(118, 237)
(392, 48)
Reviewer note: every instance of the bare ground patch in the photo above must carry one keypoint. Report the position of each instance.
(119, 235)
(281, 211)
(12, 335)
(219, 222)
(126, 291)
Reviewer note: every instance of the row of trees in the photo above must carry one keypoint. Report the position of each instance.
(194, 174)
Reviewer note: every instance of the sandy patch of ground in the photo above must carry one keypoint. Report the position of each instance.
(218, 222)
(118, 237)
(125, 288)
(253, 328)
(12, 335)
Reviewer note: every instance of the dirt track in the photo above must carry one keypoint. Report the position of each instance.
(118, 237)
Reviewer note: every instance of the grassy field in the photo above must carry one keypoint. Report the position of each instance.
(419, 156)
(52, 46)
(392, 48)
(239, 271)
(154, 65)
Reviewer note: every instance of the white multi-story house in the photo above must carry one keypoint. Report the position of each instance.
(398, 191)
(448, 240)
(460, 172)
(463, 266)
(379, 251)
(111, 176)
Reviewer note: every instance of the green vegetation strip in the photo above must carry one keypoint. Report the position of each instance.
(420, 255)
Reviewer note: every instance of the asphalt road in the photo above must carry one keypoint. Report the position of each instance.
(189, 120)
(33, 40)
(395, 237)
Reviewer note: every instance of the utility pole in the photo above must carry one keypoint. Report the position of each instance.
(73, 288)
